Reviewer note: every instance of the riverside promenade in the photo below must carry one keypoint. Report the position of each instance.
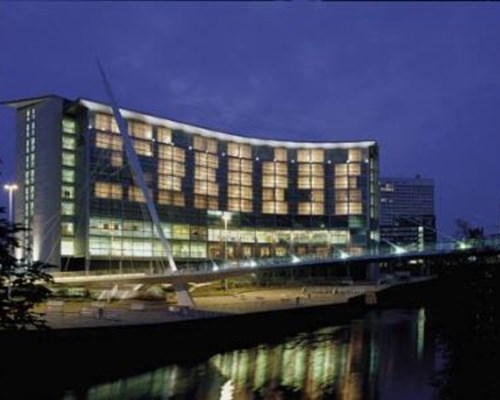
(64, 314)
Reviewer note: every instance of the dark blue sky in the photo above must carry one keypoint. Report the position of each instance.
(421, 79)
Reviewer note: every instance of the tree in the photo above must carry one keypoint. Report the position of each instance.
(474, 235)
(22, 283)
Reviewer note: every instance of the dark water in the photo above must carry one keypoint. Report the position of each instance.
(386, 355)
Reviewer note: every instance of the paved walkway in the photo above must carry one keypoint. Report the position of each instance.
(75, 314)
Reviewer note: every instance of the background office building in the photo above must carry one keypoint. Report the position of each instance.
(220, 196)
(407, 213)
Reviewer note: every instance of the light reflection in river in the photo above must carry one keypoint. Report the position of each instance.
(383, 356)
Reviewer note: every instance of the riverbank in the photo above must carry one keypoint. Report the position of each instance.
(67, 314)
(104, 349)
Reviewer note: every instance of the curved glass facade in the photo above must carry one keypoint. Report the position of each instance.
(227, 197)
(219, 196)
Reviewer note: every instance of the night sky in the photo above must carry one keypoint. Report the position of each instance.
(423, 80)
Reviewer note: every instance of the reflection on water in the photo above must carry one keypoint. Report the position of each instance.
(383, 356)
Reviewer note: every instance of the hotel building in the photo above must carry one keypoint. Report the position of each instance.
(219, 196)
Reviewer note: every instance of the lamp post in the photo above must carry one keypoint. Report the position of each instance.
(11, 188)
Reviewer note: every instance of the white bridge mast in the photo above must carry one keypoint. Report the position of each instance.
(183, 296)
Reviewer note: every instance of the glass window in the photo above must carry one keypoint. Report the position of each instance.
(205, 144)
(68, 142)
(355, 208)
(135, 194)
(179, 199)
(341, 195)
(304, 182)
(281, 168)
(246, 192)
(268, 168)
(107, 141)
(68, 192)
(233, 164)
(213, 203)
(281, 207)
(165, 197)
(317, 155)
(341, 208)
(68, 159)
(280, 155)
(67, 208)
(304, 208)
(163, 135)
(341, 169)
(303, 155)
(354, 155)
(169, 182)
(239, 150)
(104, 122)
(166, 152)
(67, 247)
(107, 190)
(67, 228)
(68, 125)
(140, 130)
(68, 175)
(143, 148)
(268, 207)
(180, 231)
(116, 159)
(355, 169)
(355, 195)
(317, 195)
(317, 169)
(317, 208)
(200, 201)
(341, 182)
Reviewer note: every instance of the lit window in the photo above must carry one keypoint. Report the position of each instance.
(355, 155)
(68, 125)
(280, 155)
(163, 135)
(341, 182)
(105, 122)
(140, 130)
(354, 169)
(341, 208)
(108, 141)
(67, 247)
(355, 208)
(205, 144)
(143, 148)
(341, 195)
(68, 159)
(68, 175)
(200, 201)
(116, 159)
(107, 190)
(169, 182)
(67, 229)
(341, 169)
(68, 192)
(169, 167)
(135, 194)
(67, 208)
(68, 142)
(239, 150)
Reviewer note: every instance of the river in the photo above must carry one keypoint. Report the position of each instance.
(390, 354)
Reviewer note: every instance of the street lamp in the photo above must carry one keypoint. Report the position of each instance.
(11, 188)
(226, 217)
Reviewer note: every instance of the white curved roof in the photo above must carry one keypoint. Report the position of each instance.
(159, 121)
